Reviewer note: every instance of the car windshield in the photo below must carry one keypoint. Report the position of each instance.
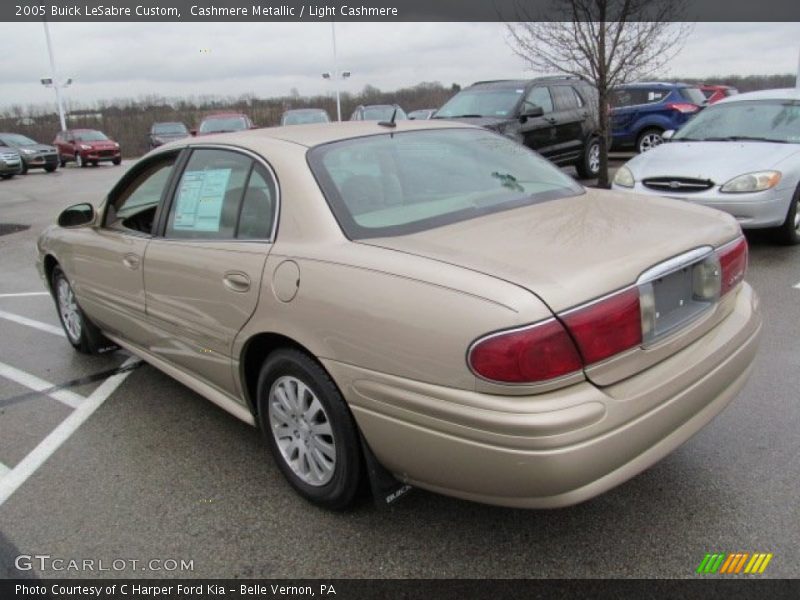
(755, 120)
(223, 124)
(383, 113)
(16, 139)
(305, 117)
(169, 128)
(481, 103)
(90, 136)
(395, 184)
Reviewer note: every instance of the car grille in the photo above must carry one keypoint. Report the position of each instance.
(105, 153)
(50, 159)
(678, 184)
(9, 157)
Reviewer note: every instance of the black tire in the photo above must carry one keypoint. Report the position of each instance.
(62, 162)
(9, 176)
(117, 161)
(23, 170)
(649, 139)
(50, 168)
(89, 340)
(79, 160)
(589, 164)
(283, 367)
(789, 232)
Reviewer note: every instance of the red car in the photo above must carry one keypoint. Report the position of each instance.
(223, 123)
(715, 93)
(86, 146)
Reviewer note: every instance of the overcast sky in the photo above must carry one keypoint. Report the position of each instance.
(117, 60)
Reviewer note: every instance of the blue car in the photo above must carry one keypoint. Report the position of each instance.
(642, 112)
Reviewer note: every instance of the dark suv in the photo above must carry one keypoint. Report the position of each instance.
(556, 116)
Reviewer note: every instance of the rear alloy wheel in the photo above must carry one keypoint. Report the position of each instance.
(649, 139)
(81, 332)
(309, 429)
(789, 232)
(589, 165)
(79, 160)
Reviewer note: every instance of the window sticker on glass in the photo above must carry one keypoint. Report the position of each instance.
(200, 200)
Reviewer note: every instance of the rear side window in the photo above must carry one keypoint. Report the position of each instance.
(637, 96)
(578, 98)
(258, 206)
(401, 183)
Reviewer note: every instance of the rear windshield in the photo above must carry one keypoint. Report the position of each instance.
(305, 117)
(168, 128)
(395, 184)
(693, 95)
(383, 113)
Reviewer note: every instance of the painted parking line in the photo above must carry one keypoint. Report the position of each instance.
(32, 382)
(796, 286)
(39, 455)
(24, 294)
(3, 470)
(32, 323)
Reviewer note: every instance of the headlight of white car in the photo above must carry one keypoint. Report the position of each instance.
(27, 151)
(85, 147)
(624, 177)
(752, 182)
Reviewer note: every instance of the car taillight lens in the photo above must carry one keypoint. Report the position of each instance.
(606, 327)
(683, 107)
(529, 355)
(733, 264)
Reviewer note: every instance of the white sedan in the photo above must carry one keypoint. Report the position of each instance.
(741, 155)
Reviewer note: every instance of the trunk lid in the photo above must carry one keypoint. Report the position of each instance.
(573, 250)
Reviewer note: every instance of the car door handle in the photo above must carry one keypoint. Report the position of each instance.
(236, 281)
(131, 261)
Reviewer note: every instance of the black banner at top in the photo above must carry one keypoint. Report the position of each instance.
(380, 10)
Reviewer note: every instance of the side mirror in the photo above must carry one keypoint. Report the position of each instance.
(667, 135)
(77, 215)
(531, 111)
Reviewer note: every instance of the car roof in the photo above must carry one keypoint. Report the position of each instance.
(778, 94)
(516, 83)
(321, 133)
(220, 115)
(640, 84)
(297, 110)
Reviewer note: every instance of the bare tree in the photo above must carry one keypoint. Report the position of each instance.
(606, 42)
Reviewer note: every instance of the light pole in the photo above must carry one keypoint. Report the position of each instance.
(54, 82)
(335, 75)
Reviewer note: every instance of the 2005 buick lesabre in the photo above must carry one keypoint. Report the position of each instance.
(428, 298)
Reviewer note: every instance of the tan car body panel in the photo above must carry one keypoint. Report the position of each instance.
(392, 320)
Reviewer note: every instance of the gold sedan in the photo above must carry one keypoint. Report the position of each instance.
(415, 303)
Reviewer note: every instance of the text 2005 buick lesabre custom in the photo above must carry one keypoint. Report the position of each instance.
(433, 301)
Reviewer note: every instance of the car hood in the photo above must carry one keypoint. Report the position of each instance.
(571, 250)
(37, 147)
(715, 161)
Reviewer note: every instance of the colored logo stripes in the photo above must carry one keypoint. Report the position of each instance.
(734, 563)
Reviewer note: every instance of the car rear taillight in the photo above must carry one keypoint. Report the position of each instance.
(683, 107)
(733, 264)
(606, 327)
(528, 355)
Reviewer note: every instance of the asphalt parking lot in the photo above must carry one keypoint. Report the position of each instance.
(105, 459)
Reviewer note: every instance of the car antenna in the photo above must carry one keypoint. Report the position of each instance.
(390, 122)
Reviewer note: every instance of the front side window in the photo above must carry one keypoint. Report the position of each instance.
(134, 207)
(540, 96)
(396, 184)
(755, 120)
(222, 195)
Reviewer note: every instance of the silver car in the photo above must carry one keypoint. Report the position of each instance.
(741, 155)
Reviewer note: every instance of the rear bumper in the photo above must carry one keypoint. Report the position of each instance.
(557, 448)
(752, 211)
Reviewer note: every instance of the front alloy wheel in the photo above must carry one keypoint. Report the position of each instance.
(68, 310)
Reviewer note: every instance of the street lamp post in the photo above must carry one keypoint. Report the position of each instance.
(335, 75)
(54, 82)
